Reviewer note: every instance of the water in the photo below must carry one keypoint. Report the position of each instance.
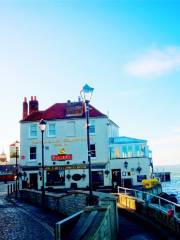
(172, 187)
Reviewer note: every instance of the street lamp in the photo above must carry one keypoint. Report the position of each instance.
(42, 127)
(16, 144)
(86, 94)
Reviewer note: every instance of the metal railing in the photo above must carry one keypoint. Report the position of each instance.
(153, 200)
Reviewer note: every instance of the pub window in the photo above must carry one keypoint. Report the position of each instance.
(93, 150)
(129, 151)
(33, 130)
(56, 178)
(52, 130)
(124, 151)
(137, 150)
(32, 153)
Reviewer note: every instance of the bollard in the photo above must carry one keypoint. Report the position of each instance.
(11, 188)
(8, 190)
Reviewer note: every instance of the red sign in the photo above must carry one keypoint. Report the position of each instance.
(22, 157)
(62, 157)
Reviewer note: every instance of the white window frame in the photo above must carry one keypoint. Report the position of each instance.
(51, 135)
(34, 136)
(92, 123)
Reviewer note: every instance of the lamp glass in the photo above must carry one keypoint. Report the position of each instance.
(16, 144)
(42, 125)
(86, 93)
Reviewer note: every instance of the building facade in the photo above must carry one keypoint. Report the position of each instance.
(65, 149)
(131, 160)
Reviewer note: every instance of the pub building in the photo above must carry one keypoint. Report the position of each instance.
(65, 149)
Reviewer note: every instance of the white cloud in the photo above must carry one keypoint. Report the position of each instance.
(155, 62)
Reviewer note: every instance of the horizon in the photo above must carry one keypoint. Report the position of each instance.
(129, 51)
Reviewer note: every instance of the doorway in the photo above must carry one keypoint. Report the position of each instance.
(116, 178)
(97, 179)
(33, 180)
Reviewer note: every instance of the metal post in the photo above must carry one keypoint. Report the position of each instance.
(89, 154)
(16, 172)
(43, 190)
(159, 201)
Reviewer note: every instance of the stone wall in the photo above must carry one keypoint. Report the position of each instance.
(66, 204)
(159, 217)
(72, 202)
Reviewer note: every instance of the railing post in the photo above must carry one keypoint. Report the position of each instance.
(11, 188)
(174, 209)
(8, 189)
(159, 201)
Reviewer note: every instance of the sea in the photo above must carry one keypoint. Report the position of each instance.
(172, 187)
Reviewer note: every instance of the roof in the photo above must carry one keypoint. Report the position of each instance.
(124, 140)
(59, 111)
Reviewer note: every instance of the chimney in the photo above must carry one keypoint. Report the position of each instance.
(25, 108)
(33, 105)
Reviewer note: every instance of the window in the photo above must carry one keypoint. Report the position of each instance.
(129, 151)
(33, 130)
(56, 178)
(32, 153)
(92, 127)
(93, 150)
(52, 130)
(115, 152)
(124, 151)
(137, 150)
(70, 129)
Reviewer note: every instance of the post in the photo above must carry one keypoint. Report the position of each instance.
(16, 173)
(43, 190)
(89, 154)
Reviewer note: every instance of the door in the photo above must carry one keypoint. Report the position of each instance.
(97, 179)
(116, 177)
(33, 180)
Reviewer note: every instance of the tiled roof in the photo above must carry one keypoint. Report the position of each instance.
(58, 111)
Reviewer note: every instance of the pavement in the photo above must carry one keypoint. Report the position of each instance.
(26, 222)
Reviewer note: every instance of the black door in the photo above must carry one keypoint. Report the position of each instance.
(97, 179)
(33, 180)
(116, 178)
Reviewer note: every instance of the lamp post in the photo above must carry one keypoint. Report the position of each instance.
(16, 147)
(42, 127)
(86, 94)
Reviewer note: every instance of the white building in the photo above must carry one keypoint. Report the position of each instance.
(65, 151)
(131, 161)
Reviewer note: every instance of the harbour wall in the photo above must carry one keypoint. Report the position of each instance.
(72, 202)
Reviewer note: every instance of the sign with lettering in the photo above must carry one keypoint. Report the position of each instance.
(61, 157)
(66, 167)
(74, 109)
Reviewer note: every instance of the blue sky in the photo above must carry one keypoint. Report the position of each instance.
(129, 51)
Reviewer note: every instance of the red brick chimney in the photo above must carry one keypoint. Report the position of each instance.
(25, 108)
(33, 105)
